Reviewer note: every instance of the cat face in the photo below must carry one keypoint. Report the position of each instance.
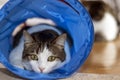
(43, 57)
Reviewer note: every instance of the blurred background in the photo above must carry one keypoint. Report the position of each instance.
(105, 55)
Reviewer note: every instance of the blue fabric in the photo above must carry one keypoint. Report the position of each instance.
(70, 16)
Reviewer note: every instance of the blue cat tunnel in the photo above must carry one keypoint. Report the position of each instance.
(69, 15)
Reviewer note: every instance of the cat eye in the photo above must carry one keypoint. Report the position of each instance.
(33, 57)
(52, 58)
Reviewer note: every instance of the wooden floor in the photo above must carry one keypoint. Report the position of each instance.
(104, 58)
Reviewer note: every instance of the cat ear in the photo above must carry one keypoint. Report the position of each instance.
(60, 41)
(27, 37)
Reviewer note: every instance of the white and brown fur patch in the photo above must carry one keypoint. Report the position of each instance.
(104, 19)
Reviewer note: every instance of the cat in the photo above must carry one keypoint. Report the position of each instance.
(40, 51)
(104, 20)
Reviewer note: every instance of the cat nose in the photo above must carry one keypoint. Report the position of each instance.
(41, 69)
